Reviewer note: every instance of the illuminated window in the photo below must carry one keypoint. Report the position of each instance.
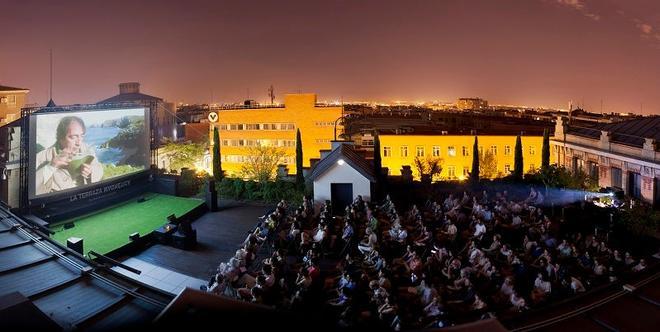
(404, 151)
(507, 169)
(290, 126)
(367, 142)
(451, 151)
(420, 151)
(252, 126)
(466, 171)
(451, 172)
(532, 150)
(436, 151)
(387, 151)
(507, 150)
(466, 151)
(225, 142)
(11, 99)
(532, 168)
(493, 150)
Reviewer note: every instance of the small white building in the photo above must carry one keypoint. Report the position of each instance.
(340, 176)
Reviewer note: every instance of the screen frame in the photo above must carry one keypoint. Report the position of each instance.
(91, 109)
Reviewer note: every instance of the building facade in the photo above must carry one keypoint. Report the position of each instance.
(11, 101)
(455, 152)
(248, 126)
(471, 104)
(623, 155)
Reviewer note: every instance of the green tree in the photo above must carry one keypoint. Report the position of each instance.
(487, 165)
(545, 153)
(428, 168)
(217, 163)
(183, 154)
(378, 162)
(474, 174)
(261, 163)
(300, 179)
(518, 160)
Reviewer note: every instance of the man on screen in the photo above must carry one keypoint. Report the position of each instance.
(70, 162)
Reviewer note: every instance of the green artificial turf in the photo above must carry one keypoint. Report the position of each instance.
(107, 230)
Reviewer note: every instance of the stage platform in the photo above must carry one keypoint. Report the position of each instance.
(108, 229)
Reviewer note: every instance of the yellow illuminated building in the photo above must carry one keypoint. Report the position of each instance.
(456, 153)
(275, 125)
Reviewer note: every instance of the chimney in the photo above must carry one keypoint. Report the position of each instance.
(129, 87)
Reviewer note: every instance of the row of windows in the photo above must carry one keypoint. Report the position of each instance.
(257, 126)
(9, 99)
(451, 151)
(451, 170)
(285, 143)
(324, 124)
(234, 158)
(322, 140)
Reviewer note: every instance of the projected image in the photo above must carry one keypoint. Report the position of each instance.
(76, 149)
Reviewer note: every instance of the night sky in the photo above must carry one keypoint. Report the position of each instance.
(525, 52)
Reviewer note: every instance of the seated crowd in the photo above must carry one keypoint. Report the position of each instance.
(464, 258)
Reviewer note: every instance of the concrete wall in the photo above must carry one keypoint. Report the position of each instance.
(341, 174)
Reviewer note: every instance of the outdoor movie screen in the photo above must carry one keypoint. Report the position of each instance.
(73, 150)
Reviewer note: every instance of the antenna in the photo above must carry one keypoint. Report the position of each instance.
(601, 107)
(248, 93)
(271, 94)
(50, 92)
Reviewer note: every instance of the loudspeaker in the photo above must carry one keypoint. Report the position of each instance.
(75, 244)
(69, 225)
(134, 236)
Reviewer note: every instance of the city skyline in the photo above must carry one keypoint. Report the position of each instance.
(536, 53)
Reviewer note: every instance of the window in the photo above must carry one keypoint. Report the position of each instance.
(368, 142)
(592, 170)
(420, 151)
(532, 150)
(531, 168)
(225, 142)
(493, 150)
(451, 172)
(616, 177)
(290, 126)
(222, 126)
(466, 171)
(451, 151)
(404, 151)
(507, 150)
(252, 126)
(507, 169)
(481, 150)
(466, 151)
(11, 99)
(436, 151)
(387, 151)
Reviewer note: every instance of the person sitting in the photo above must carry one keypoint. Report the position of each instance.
(369, 243)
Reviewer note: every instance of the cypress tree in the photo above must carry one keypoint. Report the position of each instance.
(378, 163)
(474, 175)
(300, 179)
(518, 160)
(545, 153)
(217, 165)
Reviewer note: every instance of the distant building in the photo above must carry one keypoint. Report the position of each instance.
(471, 103)
(244, 126)
(11, 101)
(163, 124)
(623, 155)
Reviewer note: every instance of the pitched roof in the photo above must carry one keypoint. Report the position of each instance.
(9, 88)
(351, 157)
(128, 97)
(630, 132)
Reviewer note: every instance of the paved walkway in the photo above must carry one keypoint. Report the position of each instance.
(219, 235)
(158, 277)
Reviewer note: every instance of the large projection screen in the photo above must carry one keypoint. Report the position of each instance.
(71, 151)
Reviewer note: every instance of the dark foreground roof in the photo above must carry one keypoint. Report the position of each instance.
(37, 274)
(351, 157)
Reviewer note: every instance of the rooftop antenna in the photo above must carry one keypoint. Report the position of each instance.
(248, 93)
(601, 107)
(641, 109)
(50, 91)
(570, 111)
(271, 94)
